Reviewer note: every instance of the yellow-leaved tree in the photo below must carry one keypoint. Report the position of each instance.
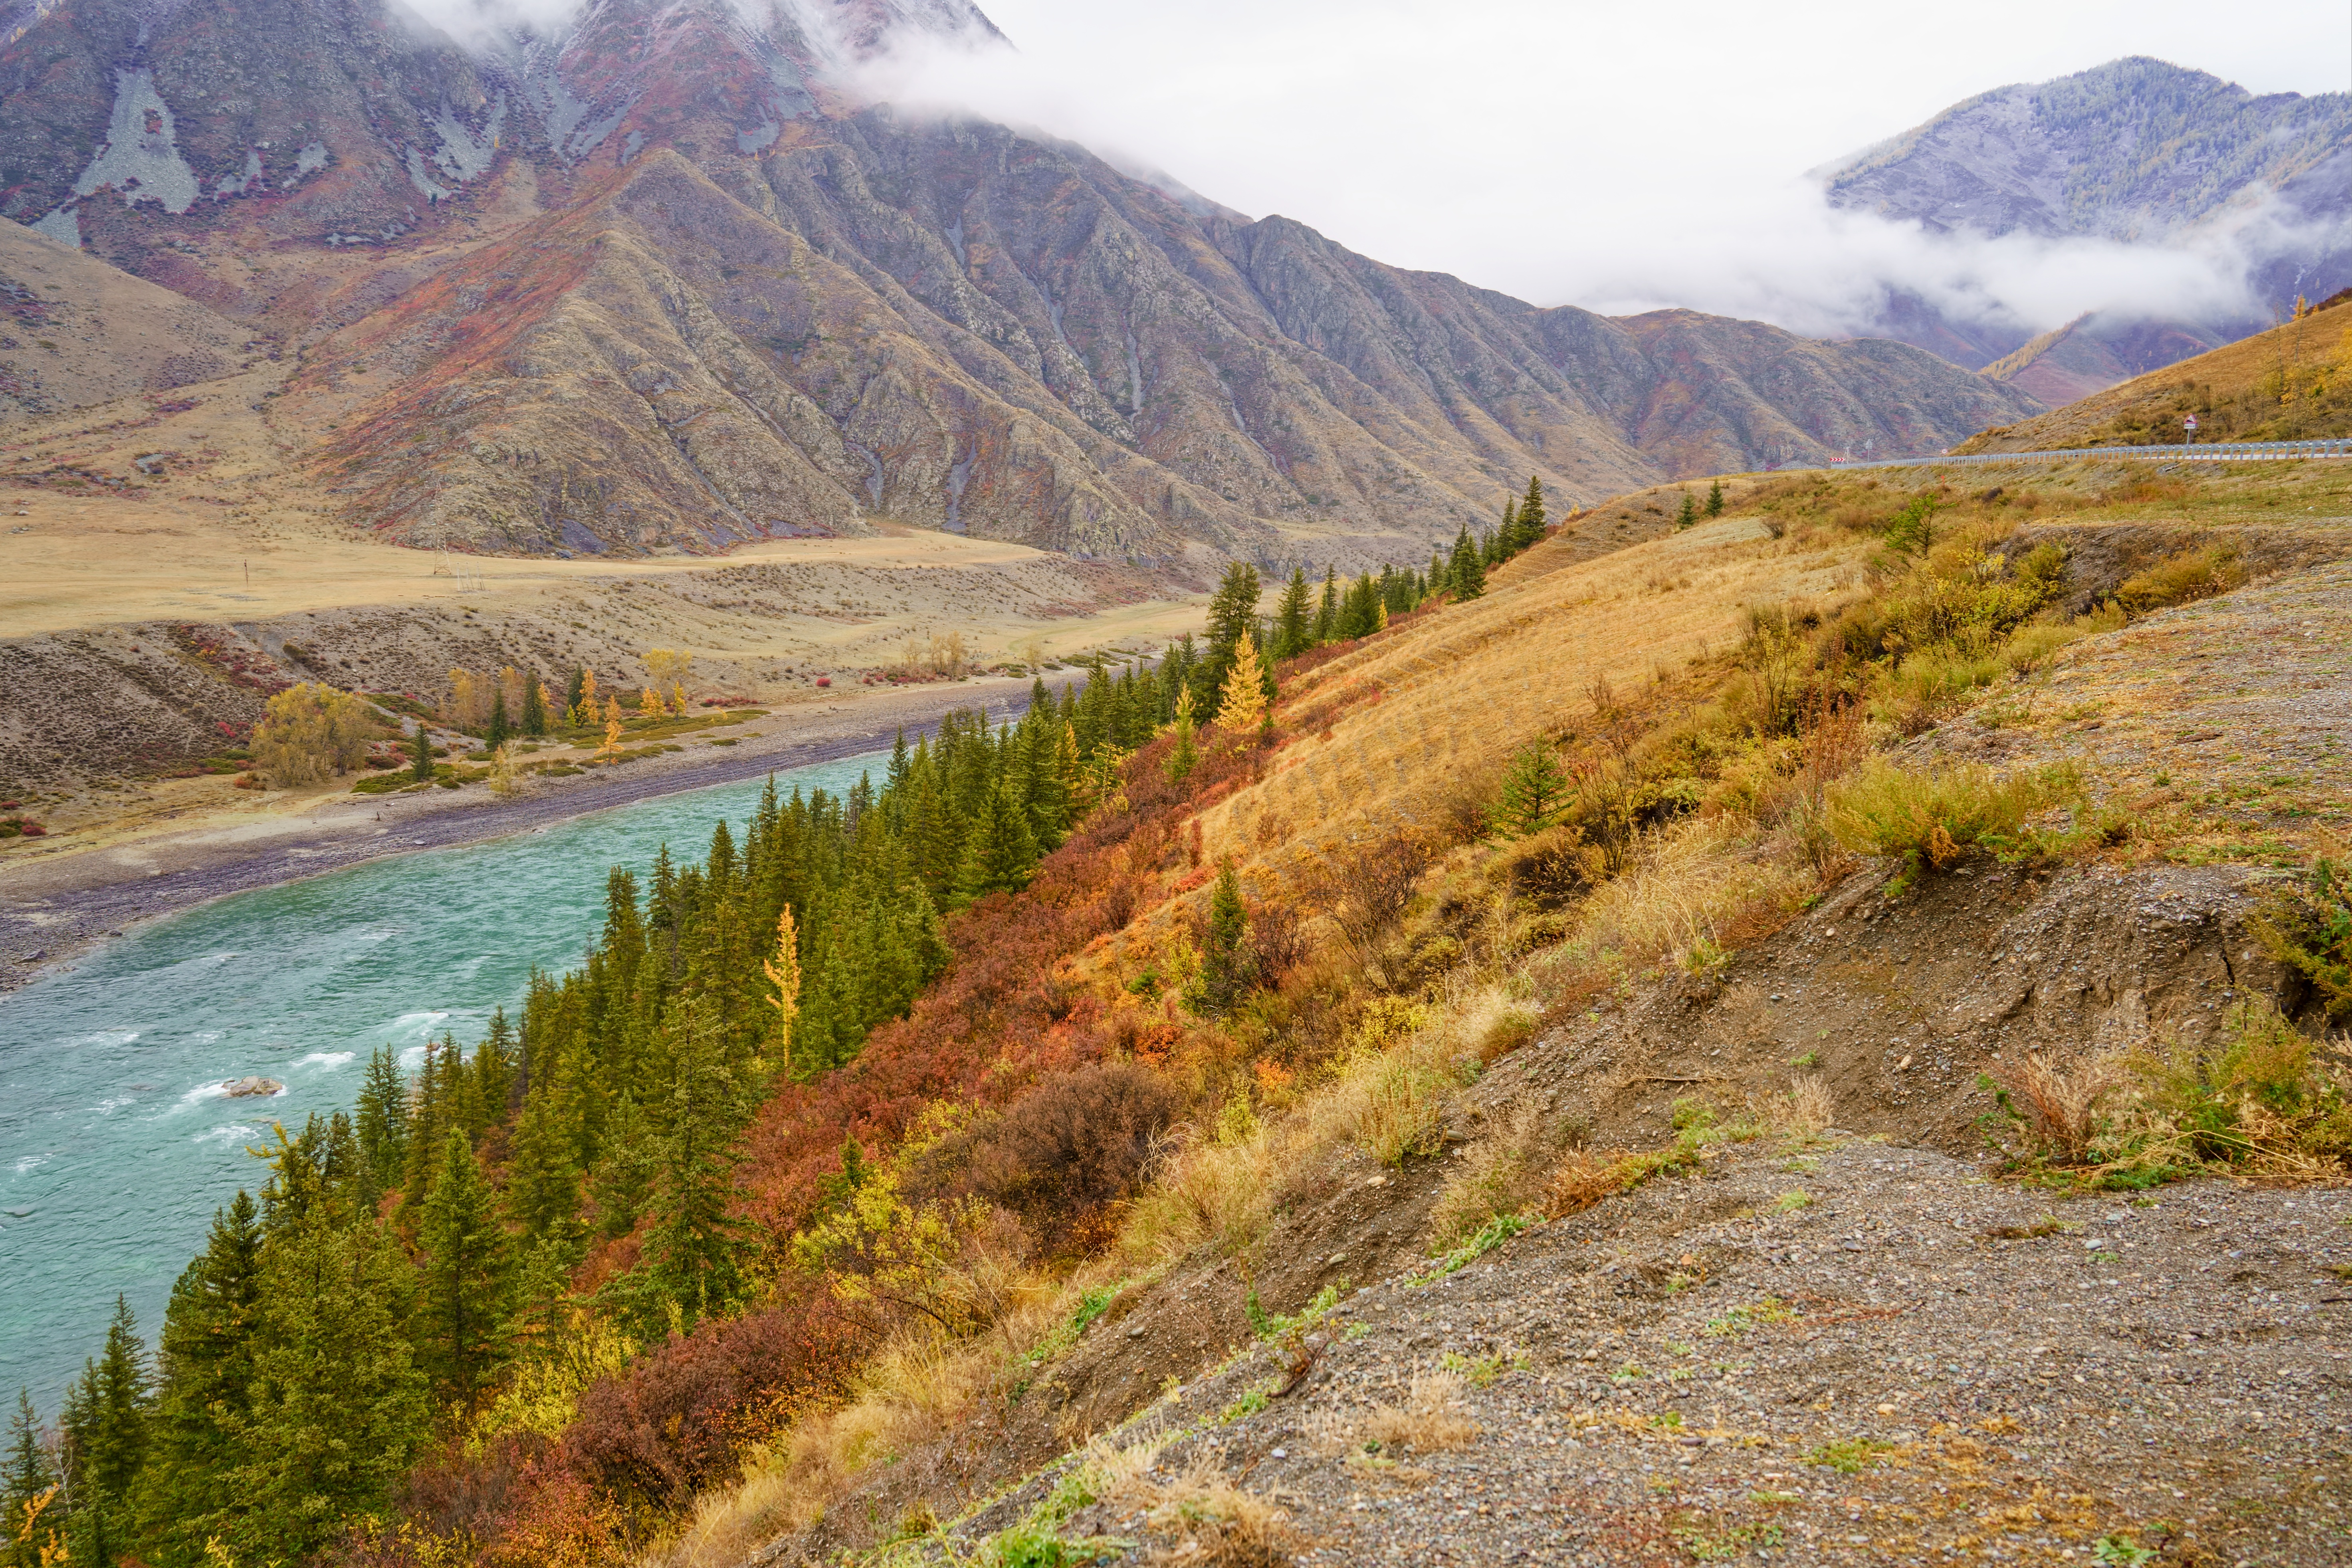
(1241, 706)
(783, 971)
(649, 704)
(310, 731)
(611, 750)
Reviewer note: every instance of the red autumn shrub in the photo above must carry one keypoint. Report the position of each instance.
(1073, 1145)
(678, 1419)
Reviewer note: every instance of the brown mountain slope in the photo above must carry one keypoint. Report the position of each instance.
(2289, 384)
(647, 280)
(78, 332)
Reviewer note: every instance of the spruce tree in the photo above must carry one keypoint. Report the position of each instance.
(575, 691)
(1233, 611)
(694, 1251)
(1293, 628)
(205, 1372)
(1533, 789)
(1689, 513)
(420, 753)
(624, 1179)
(338, 1405)
(26, 1478)
(106, 1438)
(1531, 513)
(534, 707)
(1002, 851)
(500, 727)
(1327, 615)
(461, 1299)
(382, 1123)
(1184, 755)
(1714, 499)
(1224, 961)
(1465, 574)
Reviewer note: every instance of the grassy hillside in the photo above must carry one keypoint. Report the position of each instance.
(2293, 382)
(1640, 871)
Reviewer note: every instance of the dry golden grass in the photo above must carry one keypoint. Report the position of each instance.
(1463, 687)
(1429, 1418)
(1807, 1110)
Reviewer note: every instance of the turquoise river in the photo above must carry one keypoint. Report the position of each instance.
(116, 1141)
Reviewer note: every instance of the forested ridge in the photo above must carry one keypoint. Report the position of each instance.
(519, 1304)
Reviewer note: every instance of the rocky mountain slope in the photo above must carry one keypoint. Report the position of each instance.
(2137, 151)
(650, 279)
(78, 332)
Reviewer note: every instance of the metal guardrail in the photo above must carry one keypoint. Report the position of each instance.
(2202, 452)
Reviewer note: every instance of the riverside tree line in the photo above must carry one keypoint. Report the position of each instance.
(402, 1260)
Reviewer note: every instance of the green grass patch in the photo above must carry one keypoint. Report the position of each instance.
(1850, 1456)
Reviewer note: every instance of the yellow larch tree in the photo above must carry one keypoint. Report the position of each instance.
(1241, 706)
(783, 971)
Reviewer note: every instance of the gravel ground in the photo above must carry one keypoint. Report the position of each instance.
(2224, 721)
(1845, 1353)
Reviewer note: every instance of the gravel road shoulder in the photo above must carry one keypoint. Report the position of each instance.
(1841, 1353)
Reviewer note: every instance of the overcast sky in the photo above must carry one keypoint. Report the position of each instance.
(1613, 155)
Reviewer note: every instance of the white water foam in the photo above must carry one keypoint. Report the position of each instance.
(237, 1133)
(326, 1058)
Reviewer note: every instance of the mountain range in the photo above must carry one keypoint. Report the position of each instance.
(655, 279)
(2138, 153)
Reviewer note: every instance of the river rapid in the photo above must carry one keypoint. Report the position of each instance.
(117, 1140)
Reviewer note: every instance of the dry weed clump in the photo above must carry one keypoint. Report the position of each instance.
(1500, 1173)
(1807, 1110)
(1685, 890)
(2263, 1100)
(1428, 1419)
(1215, 1524)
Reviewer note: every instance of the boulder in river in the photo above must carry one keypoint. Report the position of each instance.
(247, 1087)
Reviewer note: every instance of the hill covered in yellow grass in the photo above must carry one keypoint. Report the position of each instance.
(2293, 382)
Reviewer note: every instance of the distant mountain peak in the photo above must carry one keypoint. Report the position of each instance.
(2133, 149)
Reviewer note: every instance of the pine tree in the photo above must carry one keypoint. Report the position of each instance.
(1293, 621)
(382, 1125)
(1327, 615)
(1241, 706)
(694, 1254)
(500, 726)
(1465, 574)
(205, 1373)
(1224, 963)
(534, 707)
(1531, 513)
(1689, 513)
(1714, 499)
(338, 1405)
(24, 1481)
(461, 1300)
(1533, 789)
(420, 754)
(575, 691)
(1184, 755)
